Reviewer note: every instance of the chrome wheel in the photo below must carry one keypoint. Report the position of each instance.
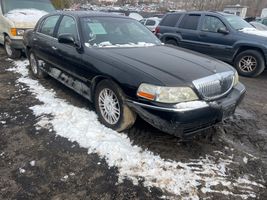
(33, 63)
(109, 106)
(248, 64)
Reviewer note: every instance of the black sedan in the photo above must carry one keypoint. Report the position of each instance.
(120, 66)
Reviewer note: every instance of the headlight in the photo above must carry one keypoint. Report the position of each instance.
(20, 32)
(17, 32)
(236, 78)
(166, 94)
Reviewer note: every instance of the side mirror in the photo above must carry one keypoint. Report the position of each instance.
(223, 31)
(66, 39)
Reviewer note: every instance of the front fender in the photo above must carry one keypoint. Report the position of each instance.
(244, 45)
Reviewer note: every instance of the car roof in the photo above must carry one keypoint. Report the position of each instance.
(201, 12)
(153, 18)
(90, 14)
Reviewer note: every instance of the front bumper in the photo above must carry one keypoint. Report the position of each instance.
(17, 44)
(183, 121)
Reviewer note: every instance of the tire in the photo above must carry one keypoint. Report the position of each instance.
(255, 66)
(172, 42)
(34, 66)
(11, 52)
(124, 117)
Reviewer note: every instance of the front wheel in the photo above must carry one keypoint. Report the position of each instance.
(111, 108)
(249, 63)
(10, 51)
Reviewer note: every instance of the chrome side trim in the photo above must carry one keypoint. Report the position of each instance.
(183, 109)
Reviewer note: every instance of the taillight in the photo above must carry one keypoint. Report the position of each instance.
(157, 30)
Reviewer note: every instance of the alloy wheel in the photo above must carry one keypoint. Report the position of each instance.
(248, 64)
(109, 106)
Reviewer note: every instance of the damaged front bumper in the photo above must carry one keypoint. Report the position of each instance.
(185, 119)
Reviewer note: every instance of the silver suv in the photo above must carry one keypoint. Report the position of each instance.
(16, 16)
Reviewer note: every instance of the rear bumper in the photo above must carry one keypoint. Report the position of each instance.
(183, 121)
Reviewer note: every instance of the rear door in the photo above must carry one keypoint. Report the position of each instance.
(168, 26)
(216, 44)
(67, 57)
(188, 29)
(44, 37)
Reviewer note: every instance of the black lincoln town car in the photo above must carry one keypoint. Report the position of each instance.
(124, 70)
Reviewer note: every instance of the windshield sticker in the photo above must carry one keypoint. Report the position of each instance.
(97, 28)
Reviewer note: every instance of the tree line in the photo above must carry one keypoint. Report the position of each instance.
(254, 6)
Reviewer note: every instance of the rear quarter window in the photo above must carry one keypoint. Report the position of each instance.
(190, 21)
(170, 20)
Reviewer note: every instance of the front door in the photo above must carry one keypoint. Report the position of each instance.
(218, 45)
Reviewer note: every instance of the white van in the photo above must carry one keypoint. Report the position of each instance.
(16, 16)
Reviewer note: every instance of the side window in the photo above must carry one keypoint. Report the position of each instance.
(68, 26)
(190, 21)
(48, 26)
(150, 22)
(264, 22)
(170, 20)
(212, 24)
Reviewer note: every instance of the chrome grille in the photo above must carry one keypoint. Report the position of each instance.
(215, 86)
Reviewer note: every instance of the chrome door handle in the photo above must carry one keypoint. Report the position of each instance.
(54, 48)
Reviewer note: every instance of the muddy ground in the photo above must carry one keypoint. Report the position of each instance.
(89, 176)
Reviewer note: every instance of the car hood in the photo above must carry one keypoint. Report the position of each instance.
(255, 32)
(24, 18)
(170, 65)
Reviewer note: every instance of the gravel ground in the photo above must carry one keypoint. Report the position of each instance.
(39, 164)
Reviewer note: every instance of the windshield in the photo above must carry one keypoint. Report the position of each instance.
(44, 5)
(237, 22)
(116, 32)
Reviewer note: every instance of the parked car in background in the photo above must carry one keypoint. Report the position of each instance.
(258, 26)
(224, 36)
(158, 15)
(151, 23)
(120, 66)
(16, 16)
(262, 21)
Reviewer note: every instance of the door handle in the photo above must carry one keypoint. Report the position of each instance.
(54, 48)
(202, 35)
(35, 39)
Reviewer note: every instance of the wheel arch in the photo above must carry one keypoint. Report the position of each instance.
(167, 37)
(96, 80)
(245, 47)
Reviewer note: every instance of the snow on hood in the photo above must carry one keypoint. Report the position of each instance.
(25, 16)
(254, 32)
(184, 179)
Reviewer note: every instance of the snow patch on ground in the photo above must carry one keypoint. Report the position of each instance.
(187, 180)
